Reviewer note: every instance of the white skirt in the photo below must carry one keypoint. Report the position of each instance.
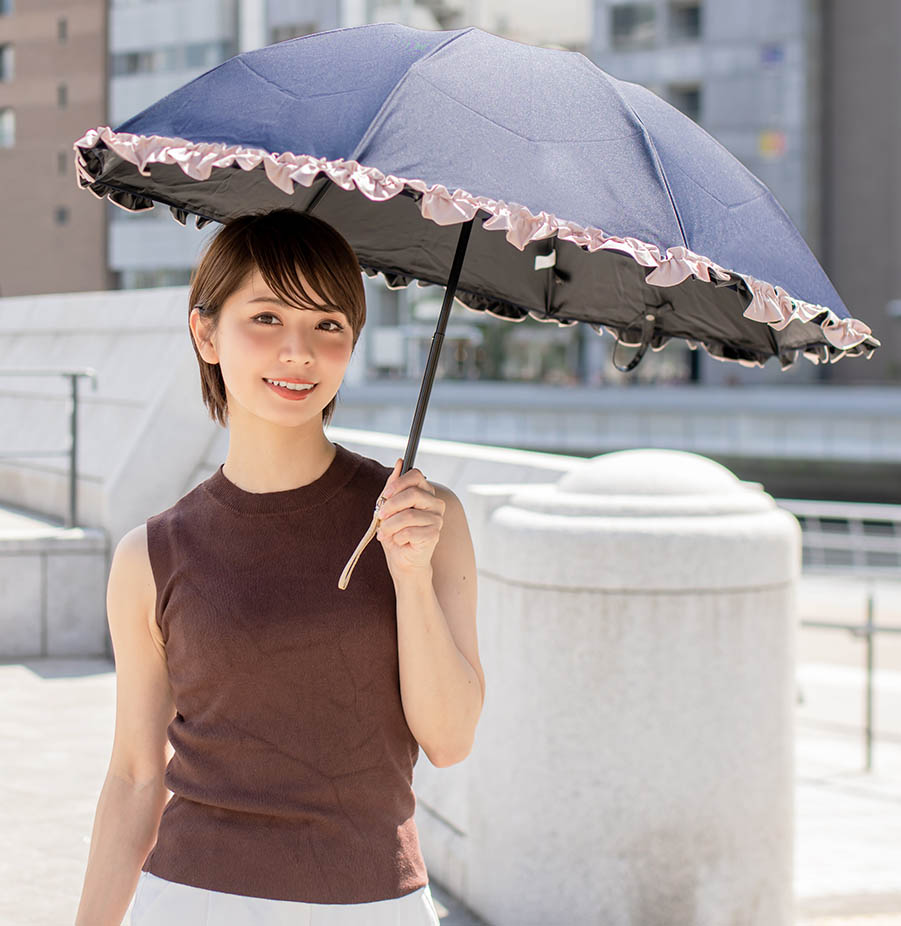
(158, 902)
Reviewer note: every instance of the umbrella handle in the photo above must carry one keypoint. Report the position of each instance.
(425, 390)
(346, 573)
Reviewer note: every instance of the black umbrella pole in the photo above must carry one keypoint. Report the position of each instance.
(425, 390)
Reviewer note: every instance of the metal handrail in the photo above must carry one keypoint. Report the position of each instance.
(861, 533)
(72, 449)
(868, 631)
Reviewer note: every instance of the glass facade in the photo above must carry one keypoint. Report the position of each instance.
(172, 58)
(633, 25)
(290, 31)
(684, 20)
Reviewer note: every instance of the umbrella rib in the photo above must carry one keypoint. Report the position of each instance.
(653, 149)
(666, 186)
(380, 116)
(319, 194)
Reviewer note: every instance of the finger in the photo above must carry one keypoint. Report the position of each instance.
(412, 477)
(410, 517)
(415, 535)
(413, 498)
(419, 533)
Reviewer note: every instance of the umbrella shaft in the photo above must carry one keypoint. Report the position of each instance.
(425, 390)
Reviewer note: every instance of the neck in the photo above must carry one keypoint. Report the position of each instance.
(277, 468)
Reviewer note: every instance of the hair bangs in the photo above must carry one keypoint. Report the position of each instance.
(298, 272)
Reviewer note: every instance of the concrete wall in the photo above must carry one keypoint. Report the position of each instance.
(144, 432)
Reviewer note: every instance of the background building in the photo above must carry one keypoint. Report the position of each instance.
(861, 173)
(801, 91)
(743, 72)
(804, 93)
(53, 84)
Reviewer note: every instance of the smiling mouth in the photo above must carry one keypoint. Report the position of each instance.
(292, 381)
(288, 392)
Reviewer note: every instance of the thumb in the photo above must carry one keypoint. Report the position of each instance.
(393, 477)
(395, 473)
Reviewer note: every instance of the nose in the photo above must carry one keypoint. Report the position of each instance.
(296, 344)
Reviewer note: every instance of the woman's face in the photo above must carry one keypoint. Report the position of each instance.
(259, 337)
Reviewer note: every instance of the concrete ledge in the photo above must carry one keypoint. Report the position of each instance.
(52, 589)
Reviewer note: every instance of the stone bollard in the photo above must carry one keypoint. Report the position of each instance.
(634, 763)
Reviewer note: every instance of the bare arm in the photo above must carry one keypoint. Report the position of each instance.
(133, 794)
(441, 677)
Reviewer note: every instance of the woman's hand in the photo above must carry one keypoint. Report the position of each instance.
(411, 519)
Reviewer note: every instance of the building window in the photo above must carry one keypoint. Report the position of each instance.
(62, 96)
(632, 25)
(687, 99)
(290, 31)
(62, 30)
(7, 128)
(684, 20)
(62, 215)
(62, 162)
(7, 62)
(172, 58)
(6, 7)
(146, 279)
(134, 62)
(208, 54)
(197, 55)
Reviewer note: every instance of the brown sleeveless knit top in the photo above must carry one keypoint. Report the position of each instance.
(293, 766)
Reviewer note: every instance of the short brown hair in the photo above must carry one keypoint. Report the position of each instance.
(278, 244)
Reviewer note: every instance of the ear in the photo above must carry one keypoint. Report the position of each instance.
(200, 328)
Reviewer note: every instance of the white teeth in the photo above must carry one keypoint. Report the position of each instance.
(295, 386)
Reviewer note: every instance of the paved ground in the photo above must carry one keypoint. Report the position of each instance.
(56, 729)
(57, 726)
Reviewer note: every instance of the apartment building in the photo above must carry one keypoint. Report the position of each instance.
(53, 83)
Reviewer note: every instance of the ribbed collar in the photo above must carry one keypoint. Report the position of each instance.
(338, 474)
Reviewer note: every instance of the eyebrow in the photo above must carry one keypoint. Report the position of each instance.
(276, 301)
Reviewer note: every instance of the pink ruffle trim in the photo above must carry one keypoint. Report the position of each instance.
(769, 304)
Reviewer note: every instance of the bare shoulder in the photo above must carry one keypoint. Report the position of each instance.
(134, 572)
(452, 506)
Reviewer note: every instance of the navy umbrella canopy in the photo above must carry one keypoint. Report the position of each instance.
(573, 196)
(566, 159)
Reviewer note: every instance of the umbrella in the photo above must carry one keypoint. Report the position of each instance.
(596, 201)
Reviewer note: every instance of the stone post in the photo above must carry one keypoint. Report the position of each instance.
(634, 762)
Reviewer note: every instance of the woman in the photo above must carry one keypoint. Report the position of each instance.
(295, 709)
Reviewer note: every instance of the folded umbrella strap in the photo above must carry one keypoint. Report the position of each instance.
(361, 546)
(649, 329)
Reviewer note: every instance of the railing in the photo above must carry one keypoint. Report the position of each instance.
(868, 631)
(860, 536)
(864, 541)
(72, 450)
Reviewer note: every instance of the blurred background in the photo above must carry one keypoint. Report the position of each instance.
(804, 92)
